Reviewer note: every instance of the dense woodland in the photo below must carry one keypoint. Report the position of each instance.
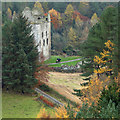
(71, 22)
(92, 35)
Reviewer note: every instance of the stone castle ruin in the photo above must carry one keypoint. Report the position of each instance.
(41, 28)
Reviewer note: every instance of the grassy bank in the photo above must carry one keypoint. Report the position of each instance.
(56, 95)
(54, 58)
(21, 106)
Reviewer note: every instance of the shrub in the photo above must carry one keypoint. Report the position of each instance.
(87, 111)
(70, 111)
(110, 111)
(43, 114)
(61, 112)
(111, 93)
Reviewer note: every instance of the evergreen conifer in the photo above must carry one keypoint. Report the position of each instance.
(19, 56)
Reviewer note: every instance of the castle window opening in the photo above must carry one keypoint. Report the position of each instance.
(42, 34)
(38, 18)
(43, 42)
(47, 41)
(46, 33)
(40, 43)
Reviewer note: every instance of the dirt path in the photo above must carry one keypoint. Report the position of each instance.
(65, 61)
(64, 83)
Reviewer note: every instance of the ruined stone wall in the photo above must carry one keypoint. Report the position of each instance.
(41, 28)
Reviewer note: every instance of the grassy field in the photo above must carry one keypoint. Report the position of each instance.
(64, 83)
(21, 106)
(54, 58)
(70, 80)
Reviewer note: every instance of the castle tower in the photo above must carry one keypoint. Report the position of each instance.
(41, 28)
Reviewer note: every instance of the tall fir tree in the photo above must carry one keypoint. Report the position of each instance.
(19, 56)
(105, 29)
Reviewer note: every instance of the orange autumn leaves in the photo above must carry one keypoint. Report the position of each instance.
(55, 18)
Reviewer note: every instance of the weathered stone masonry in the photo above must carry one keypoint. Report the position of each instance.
(41, 28)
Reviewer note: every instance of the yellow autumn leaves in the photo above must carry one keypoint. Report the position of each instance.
(109, 45)
(78, 21)
(96, 85)
(43, 114)
(9, 12)
(39, 6)
(69, 10)
(102, 70)
(60, 112)
(94, 19)
(102, 61)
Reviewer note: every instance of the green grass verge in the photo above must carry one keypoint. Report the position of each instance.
(69, 64)
(21, 106)
(54, 58)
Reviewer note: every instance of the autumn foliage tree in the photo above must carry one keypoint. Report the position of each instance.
(61, 112)
(78, 21)
(96, 84)
(72, 36)
(41, 73)
(55, 18)
(9, 13)
(94, 19)
(103, 61)
(43, 114)
(39, 6)
(68, 18)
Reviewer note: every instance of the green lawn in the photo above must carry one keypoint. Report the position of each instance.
(21, 106)
(53, 60)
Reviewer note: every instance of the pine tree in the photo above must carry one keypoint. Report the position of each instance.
(19, 56)
(91, 47)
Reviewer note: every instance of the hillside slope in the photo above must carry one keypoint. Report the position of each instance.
(64, 83)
